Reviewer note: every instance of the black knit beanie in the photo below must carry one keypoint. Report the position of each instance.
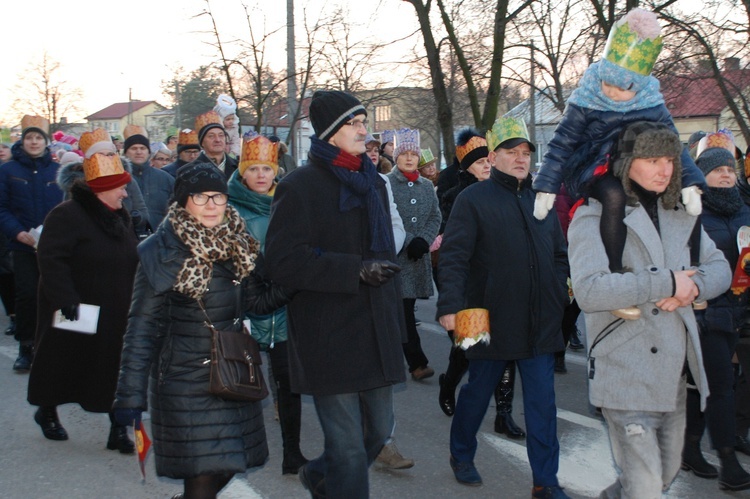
(204, 130)
(193, 178)
(713, 158)
(136, 139)
(185, 147)
(329, 110)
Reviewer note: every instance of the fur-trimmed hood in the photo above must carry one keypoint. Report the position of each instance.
(115, 223)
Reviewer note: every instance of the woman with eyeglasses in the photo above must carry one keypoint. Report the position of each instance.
(195, 268)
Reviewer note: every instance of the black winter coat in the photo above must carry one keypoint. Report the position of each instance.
(194, 432)
(496, 255)
(344, 336)
(726, 312)
(87, 254)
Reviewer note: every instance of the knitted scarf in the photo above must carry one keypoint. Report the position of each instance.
(589, 94)
(724, 201)
(358, 176)
(226, 241)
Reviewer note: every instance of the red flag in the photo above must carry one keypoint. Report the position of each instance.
(142, 445)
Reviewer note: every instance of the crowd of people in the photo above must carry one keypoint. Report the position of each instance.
(153, 242)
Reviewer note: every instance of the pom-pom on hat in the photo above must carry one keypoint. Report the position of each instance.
(633, 45)
(259, 150)
(330, 109)
(714, 157)
(207, 121)
(508, 132)
(225, 106)
(470, 146)
(194, 178)
(406, 139)
(188, 139)
(38, 124)
(723, 138)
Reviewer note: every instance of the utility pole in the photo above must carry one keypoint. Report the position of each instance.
(291, 81)
(532, 104)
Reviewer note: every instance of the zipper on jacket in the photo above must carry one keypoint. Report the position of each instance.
(273, 329)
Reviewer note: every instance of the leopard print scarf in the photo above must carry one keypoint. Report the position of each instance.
(228, 240)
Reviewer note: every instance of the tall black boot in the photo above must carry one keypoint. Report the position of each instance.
(504, 400)
(290, 419)
(118, 437)
(25, 356)
(46, 418)
(457, 366)
(693, 460)
(732, 476)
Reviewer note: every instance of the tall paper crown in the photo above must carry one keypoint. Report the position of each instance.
(471, 144)
(259, 151)
(723, 138)
(426, 158)
(99, 165)
(406, 139)
(131, 130)
(88, 139)
(187, 137)
(29, 121)
(505, 128)
(634, 42)
(387, 136)
(206, 119)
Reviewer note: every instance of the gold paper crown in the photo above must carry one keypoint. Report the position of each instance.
(634, 42)
(259, 151)
(100, 165)
(188, 137)
(29, 121)
(131, 130)
(470, 145)
(88, 139)
(206, 119)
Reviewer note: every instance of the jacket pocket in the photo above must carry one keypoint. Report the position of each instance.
(613, 336)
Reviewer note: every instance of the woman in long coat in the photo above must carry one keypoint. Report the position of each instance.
(201, 251)
(86, 254)
(418, 206)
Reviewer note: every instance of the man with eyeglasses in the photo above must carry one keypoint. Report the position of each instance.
(330, 237)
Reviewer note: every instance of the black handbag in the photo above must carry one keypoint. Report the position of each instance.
(235, 365)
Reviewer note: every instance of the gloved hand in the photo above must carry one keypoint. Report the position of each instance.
(417, 248)
(70, 312)
(126, 417)
(691, 198)
(542, 204)
(263, 296)
(377, 272)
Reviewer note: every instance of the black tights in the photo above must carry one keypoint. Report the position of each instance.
(608, 190)
(205, 486)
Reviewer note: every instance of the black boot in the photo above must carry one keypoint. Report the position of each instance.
(504, 400)
(118, 438)
(11, 329)
(732, 476)
(25, 357)
(46, 417)
(693, 460)
(457, 365)
(575, 341)
(290, 419)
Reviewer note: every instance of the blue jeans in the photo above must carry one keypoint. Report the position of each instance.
(537, 378)
(355, 427)
(647, 447)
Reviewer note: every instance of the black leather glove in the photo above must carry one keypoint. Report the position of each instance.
(377, 272)
(417, 248)
(70, 312)
(263, 296)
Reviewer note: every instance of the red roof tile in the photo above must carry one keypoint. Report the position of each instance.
(119, 110)
(696, 95)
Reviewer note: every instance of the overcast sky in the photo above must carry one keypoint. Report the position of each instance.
(106, 48)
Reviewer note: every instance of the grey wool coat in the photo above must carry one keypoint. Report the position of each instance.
(637, 365)
(419, 209)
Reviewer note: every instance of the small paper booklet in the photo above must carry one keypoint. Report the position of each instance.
(88, 318)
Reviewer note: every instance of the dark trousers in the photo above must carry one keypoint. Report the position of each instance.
(26, 275)
(537, 380)
(742, 388)
(570, 316)
(415, 357)
(717, 347)
(8, 293)
(290, 404)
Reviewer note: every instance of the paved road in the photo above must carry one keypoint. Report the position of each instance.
(33, 467)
